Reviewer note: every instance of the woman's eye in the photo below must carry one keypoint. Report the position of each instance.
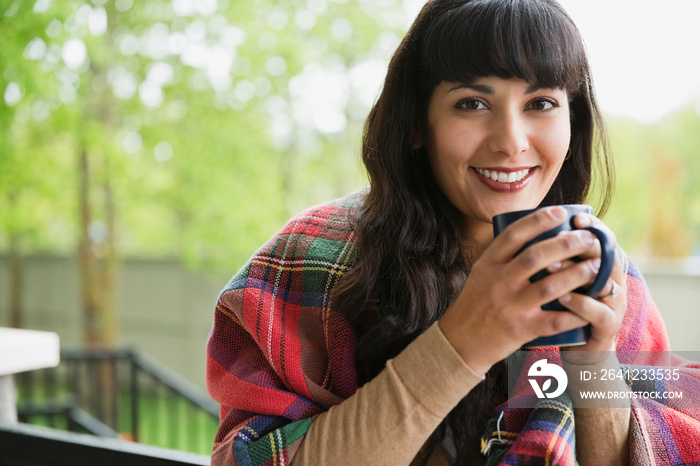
(542, 104)
(471, 105)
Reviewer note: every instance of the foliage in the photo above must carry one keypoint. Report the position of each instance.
(213, 122)
(657, 208)
(195, 113)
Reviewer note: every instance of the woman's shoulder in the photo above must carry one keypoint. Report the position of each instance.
(630, 269)
(333, 221)
(316, 242)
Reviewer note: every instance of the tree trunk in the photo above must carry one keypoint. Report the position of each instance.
(86, 256)
(16, 266)
(110, 267)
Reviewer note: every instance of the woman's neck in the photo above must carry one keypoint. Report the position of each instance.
(477, 237)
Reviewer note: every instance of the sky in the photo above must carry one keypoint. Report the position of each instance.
(644, 54)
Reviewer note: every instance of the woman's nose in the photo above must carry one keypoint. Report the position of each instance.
(509, 136)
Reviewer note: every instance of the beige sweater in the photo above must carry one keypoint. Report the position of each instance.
(387, 421)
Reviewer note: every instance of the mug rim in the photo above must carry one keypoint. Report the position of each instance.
(586, 207)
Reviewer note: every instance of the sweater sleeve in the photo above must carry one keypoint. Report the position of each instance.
(602, 426)
(389, 419)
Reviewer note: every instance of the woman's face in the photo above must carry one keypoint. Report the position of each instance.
(496, 145)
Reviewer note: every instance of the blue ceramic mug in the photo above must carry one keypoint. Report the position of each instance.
(577, 336)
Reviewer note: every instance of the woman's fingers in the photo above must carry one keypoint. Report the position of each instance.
(563, 265)
(586, 220)
(605, 313)
(610, 290)
(499, 309)
(570, 277)
(605, 322)
(551, 252)
(512, 239)
(553, 322)
(591, 310)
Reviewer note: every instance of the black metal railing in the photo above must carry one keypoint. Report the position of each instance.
(119, 394)
(27, 445)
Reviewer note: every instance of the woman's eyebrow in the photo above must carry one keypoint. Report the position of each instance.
(484, 89)
(532, 88)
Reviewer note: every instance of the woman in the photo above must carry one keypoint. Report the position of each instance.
(373, 329)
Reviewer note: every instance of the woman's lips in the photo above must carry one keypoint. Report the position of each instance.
(505, 180)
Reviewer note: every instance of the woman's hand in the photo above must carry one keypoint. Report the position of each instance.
(498, 309)
(605, 313)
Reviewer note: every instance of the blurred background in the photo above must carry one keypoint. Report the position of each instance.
(147, 148)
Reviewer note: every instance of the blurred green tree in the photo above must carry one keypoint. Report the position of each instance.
(194, 129)
(191, 129)
(657, 209)
(25, 190)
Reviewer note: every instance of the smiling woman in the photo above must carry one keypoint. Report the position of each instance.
(518, 134)
(374, 329)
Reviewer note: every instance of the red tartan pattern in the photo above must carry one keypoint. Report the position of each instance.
(279, 355)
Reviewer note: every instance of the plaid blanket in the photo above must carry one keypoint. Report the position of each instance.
(278, 356)
(664, 431)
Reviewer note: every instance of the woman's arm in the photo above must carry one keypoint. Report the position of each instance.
(388, 420)
(602, 425)
(602, 436)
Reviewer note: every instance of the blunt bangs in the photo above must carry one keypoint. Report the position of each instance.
(533, 41)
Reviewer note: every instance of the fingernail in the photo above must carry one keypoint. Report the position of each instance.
(595, 264)
(558, 213)
(584, 220)
(587, 237)
(554, 267)
(566, 298)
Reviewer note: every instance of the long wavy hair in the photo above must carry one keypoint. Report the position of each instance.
(410, 264)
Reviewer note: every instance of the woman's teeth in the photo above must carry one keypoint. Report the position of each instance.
(503, 177)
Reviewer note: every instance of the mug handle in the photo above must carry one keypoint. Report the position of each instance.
(607, 260)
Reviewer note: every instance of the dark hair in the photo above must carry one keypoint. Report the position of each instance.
(410, 265)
